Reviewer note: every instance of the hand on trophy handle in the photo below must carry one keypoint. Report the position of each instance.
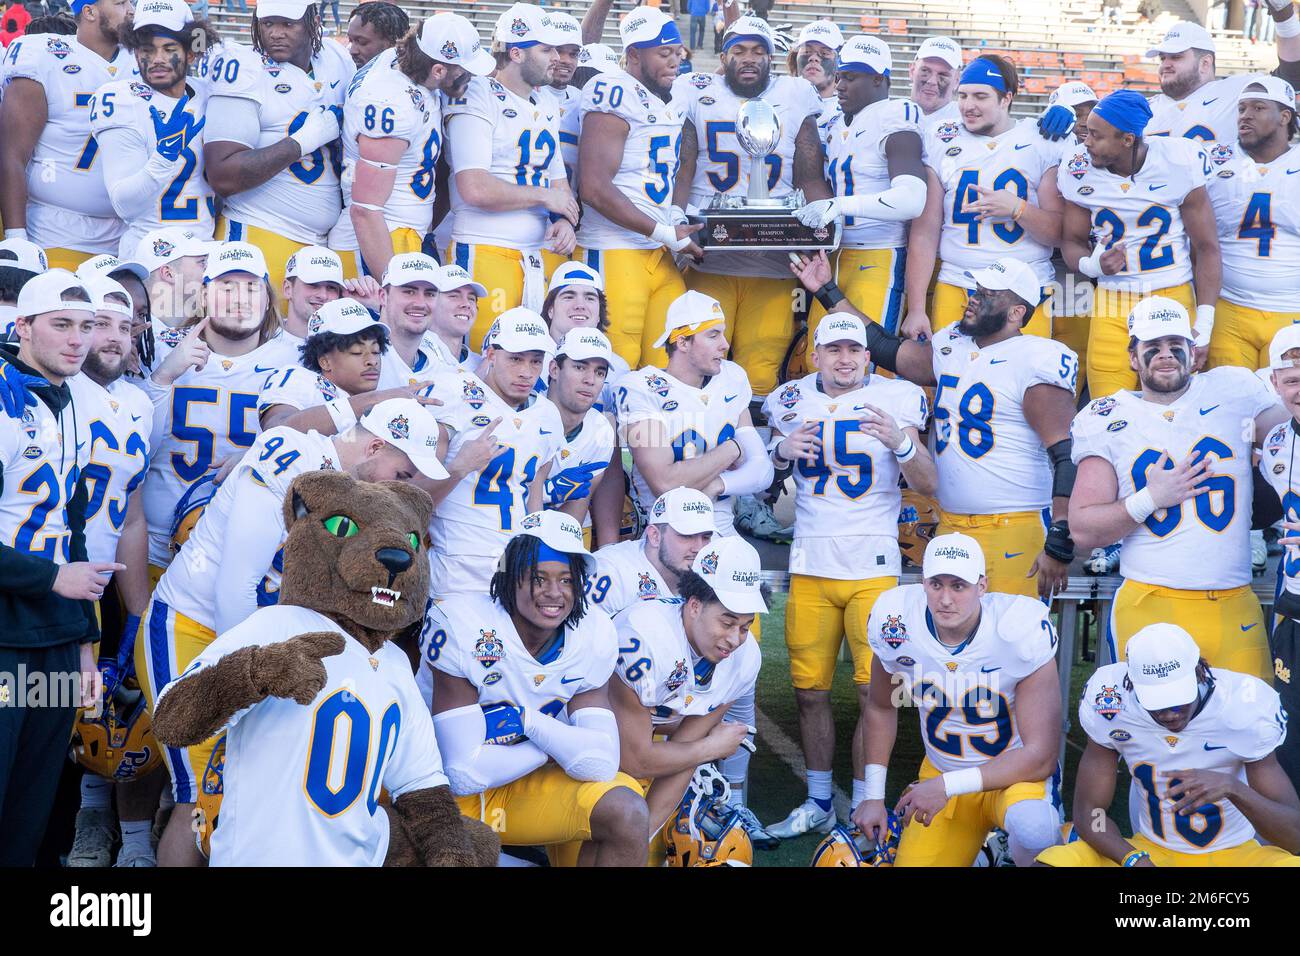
(821, 212)
(679, 238)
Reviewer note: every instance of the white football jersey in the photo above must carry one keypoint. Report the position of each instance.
(447, 360)
(120, 422)
(1257, 208)
(695, 420)
(187, 200)
(990, 460)
(965, 695)
(1241, 721)
(302, 202)
(1207, 113)
(656, 660)
(830, 112)
(624, 575)
(67, 201)
(297, 387)
(525, 151)
(1277, 465)
(395, 373)
(473, 637)
(1016, 160)
(946, 118)
(277, 457)
(40, 461)
(847, 500)
(1204, 543)
(856, 166)
(582, 458)
(302, 785)
(648, 169)
(203, 418)
(1143, 210)
(383, 103)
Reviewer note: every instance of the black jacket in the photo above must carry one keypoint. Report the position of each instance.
(31, 614)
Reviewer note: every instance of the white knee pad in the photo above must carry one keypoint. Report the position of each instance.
(1032, 826)
(736, 767)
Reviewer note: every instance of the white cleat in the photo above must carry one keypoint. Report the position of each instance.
(805, 818)
(1103, 561)
(758, 834)
(756, 519)
(93, 844)
(135, 858)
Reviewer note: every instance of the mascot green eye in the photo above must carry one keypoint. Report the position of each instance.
(341, 526)
(415, 541)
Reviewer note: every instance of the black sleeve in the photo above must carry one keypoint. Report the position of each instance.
(1266, 508)
(77, 550)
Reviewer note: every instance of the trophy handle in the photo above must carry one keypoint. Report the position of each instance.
(757, 180)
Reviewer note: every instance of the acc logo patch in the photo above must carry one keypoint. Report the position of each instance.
(893, 632)
(482, 421)
(1108, 702)
(493, 677)
(1279, 468)
(283, 88)
(670, 406)
(947, 131)
(72, 69)
(906, 661)
(707, 101)
(1086, 190)
(509, 114)
(1226, 174)
(32, 452)
(953, 151)
(1118, 426)
(1120, 735)
(488, 649)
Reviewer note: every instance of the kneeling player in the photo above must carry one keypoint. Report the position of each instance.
(981, 670)
(1201, 747)
(519, 683)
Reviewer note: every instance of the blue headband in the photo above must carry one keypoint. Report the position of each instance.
(735, 38)
(1125, 110)
(985, 73)
(79, 5)
(668, 35)
(546, 553)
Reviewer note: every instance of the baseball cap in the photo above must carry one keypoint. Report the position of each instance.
(731, 566)
(1275, 89)
(1072, 94)
(450, 38)
(524, 24)
(1156, 317)
(940, 48)
(28, 256)
(1183, 35)
(1162, 661)
(821, 31)
(840, 327)
(230, 257)
(647, 27)
(575, 273)
(754, 29)
(289, 9)
(407, 425)
(570, 29)
(314, 264)
(599, 57)
(44, 293)
(521, 330)
(340, 317)
(582, 344)
(685, 510)
(158, 247)
(410, 268)
(452, 277)
(866, 54)
(1284, 340)
(171, 15)
(558, 532)
(105, 265)
(100, 288)
(1010, 274)
(957, 554)
(690, 310)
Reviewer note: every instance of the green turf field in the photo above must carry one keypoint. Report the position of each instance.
(775, 789)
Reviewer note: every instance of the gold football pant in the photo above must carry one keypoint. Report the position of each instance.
(1250, 853)
(820, 613)
(1242, 335)
(500, 270)
(1011, 544)
(640, 284)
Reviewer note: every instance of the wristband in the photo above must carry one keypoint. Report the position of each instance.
(906, 451)
(1059, 544)
(1203, 325)
(829, 295)
(1136, 857)
(666, 235)
(16, 233)
(1140, 505)
(1290, 27)
(1020, 211)
(1091, 265)
(874, 779)
(957, 782)
(341, 413)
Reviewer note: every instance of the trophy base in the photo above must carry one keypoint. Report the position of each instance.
(758, 229)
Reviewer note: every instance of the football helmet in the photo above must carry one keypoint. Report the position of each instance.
(190, 508)
(846, 845)
(117, 741)
(918, 518)
(705, 832)
(207, 806)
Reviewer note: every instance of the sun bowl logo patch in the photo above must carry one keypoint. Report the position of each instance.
(531, 521)
(472, 394)
(449, 50)
(488, 649)
(677, 678)
(709, 563)
(315, 323)
(329, 391)
(789, 396)
(659, 385)
(162, 248)
(658, 508)
(518, 28)
(947, 131)
(701, 80)
(645, 586)
(399, 427)
(1077, 166)
(1108, 702)
(893, 631)
(643, 96)
(1220, 153)
(171, 337)
(1104, 406)
(58, 46)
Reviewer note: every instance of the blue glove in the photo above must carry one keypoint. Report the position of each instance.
(505, 724)
(1056, 123)
(174, 132)
(14, 385)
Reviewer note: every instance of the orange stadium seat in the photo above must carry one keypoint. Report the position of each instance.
(897, 26)
(869, 24)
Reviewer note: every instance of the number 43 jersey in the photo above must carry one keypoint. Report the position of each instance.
(966, 695)
(1204, 543)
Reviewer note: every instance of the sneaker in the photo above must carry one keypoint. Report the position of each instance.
(755, 518)
(1103, 561)
(135, 857)
(758, 834)
(1258, 553)
(995, 852)
(93, 844)
(805, 818)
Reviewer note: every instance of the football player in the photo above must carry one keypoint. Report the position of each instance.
(508, 180)
(681, 665)
(1168, 471)
(392, 138)
(173, 260)
(231, 563)
(520, 684)
(312, 276)
(992, 192)
(271, 150)
(454, 311)
(1256, 199)
(813, 58)
(849, 437)
(873, 149)
(980, 668)
(649, 569)
(568, 48)
(20, 261)
(933, 75)
(756, 292)
(409, 295)
(1137, 215)
(51, 189)
(627, 152)
(593, 59)
(576, 381)
(150, 128)
(1201, 746)
(374, 29)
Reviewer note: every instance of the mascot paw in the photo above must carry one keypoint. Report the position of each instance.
(293, 668)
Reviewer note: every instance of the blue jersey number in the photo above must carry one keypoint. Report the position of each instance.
(1008, 232)
(974, 421)
(975, 706)
(1198, 828)
(819, 469)
(43, 485)
(91, 147)
(1257, 223)
(531, 167)
(98, 474)
(1215, 515)
(203, 439)
(493, 490)
(334, 796)
(422, 179)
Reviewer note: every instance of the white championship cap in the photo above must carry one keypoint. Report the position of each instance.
(731, 566)
(171, 15)
(452, 277)
(27, 256)
(840, 327)
(1162, 661)
(1156, 317)
(340, 317)
(685, 510)
(940, 48)
(1284, 340)
(288, 9)
(1072, 94)
(648, 27)
(526, 24)
(581, 344)
(407, 425)
(521, 330)
(312, 264)
(599, 57)
(1012, 274)
(570, 29)
(102, 288)
(44, 293)
(866, 54)
(749, 28)
(690, 310)
(821, 31)
(410, 268)
(1276, 90)
(158, 247)
(230, 257)
(450, 38)
(957, 554)
(105, 265)
(1183, 35)
(559, 532)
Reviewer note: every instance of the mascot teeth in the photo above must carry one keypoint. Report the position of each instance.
(384, 597)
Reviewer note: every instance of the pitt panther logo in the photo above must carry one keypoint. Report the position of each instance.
(789, 396)
(659, 385)
(1077, 166)
(449, 51)
(131, 762)
(709, 563)
(1108, 702)
(677, 678)
(947, 131)
(645, 586)
(399, 428)
(488, 649)
(893, 632)
(1220, 153)
(473, 395)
